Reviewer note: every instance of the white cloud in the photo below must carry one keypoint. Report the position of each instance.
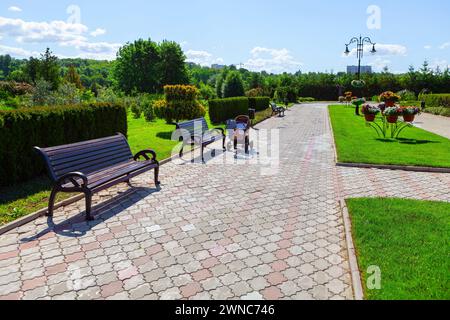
(439, 63)
(202, 58)
(428, 47)
(379, 64)
(39, 32)
(14, 9)
(445, 46)
(93, 50)
(272, 60)
(383, 50)
(59, 32)
(98, 32)
(18, 52)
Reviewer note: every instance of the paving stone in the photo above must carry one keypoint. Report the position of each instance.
(140, 292)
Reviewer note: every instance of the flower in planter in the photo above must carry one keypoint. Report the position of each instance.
(393, 111)
(358, 101)
(410, 111)
(368, 109)
(389, 96)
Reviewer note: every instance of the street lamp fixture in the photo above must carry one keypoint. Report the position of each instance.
(360, 42)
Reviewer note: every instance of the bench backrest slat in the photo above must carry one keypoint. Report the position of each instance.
(87, 156)
(195, 127)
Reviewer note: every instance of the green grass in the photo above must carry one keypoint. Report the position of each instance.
(357, 143)
(409, 241)
(21, 200)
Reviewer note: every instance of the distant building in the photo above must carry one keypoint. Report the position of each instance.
(217, 66)
(354, 69)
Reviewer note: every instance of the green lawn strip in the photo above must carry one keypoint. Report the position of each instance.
(409, 241)
(23, 199)
(357, 143)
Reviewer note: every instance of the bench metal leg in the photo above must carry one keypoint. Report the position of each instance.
(181, 151)
(157, 182)
(51, 202)
(88, 196)
(224, 148)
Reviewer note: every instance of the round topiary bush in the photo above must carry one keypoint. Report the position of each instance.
(181, 103)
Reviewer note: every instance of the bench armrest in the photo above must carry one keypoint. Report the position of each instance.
(222, 131)
(72, 176)
(145, 153)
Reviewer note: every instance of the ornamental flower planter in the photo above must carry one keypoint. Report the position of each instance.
(392, 119)
(390, 104)
(409, 117)
(370, 112)
(389, 98)
(409, 113)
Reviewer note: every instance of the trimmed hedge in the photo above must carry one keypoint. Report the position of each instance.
(21, 130)
(259, 103)
(220, 110)
(439, 111)
(436, 100)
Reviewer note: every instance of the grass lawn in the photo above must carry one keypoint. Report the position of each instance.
(21, 200)
(357, 143)
(409, 241)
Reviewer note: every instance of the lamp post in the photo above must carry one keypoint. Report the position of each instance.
(360, 42)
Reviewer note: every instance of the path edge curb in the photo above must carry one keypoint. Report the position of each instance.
(353, 260)
(393, 167)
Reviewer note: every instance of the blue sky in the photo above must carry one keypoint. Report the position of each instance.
(277, 36)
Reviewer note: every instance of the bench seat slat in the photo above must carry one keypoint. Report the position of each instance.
(81, 145)
(86, 150)
(101, 177)
(87, 168)
(92, 158)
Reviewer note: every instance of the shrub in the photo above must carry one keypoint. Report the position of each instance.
(135, 110)
(306, 99)
(406, 95)
(181, 103)
(286, 94)
(207, 92)
(159, 107)
(436, 100)
(22, 129)
(257, 92)
(181, 92)
(233, 86)
(149, 114)
(16, 88)
(439, 111)
(259, 103)
(376, 98)
(221, 110)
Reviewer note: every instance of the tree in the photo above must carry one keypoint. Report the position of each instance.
(172, 66)
(255, 81)
(32, 71)
(5, 66)
(73, 77)
(137, 67)
(49, 69)
(233, 85)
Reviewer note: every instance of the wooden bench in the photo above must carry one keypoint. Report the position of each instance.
(92, 166)
(197, 132)
(277, 110)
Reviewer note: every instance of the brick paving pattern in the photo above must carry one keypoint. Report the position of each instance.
(203, 236)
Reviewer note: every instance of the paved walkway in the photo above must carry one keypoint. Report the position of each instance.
(213, 231)
(436, 124)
